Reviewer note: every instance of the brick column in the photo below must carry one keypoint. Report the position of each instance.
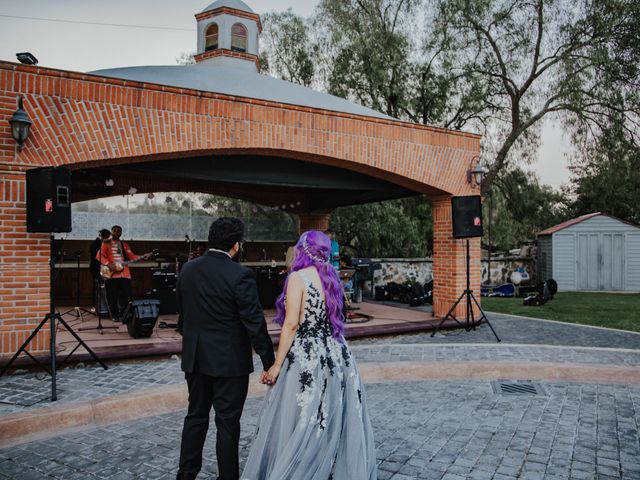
(449, 262)
(314, 221)
(24, 271)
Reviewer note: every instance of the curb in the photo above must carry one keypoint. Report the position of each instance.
(522, 317)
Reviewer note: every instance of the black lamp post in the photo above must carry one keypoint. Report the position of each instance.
(20, 125)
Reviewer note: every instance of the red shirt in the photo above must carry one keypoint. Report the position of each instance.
(111, 253)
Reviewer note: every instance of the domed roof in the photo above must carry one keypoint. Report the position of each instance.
(235, 4)
(238, 82)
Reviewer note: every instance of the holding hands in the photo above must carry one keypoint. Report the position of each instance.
(270, 376)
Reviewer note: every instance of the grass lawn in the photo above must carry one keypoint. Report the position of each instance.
(612, 310)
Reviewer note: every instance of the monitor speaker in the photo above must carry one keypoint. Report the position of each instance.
(49, 200)
(467, 216)
(141, 316)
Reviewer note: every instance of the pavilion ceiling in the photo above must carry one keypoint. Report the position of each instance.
(259, 179)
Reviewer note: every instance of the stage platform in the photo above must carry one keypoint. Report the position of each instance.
(115, 343)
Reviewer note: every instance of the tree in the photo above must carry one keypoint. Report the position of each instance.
(544, 57)
(606, 175)
(288, 51)
(262, 218)
(186, 58)
(403, 228)
(378, 54)
(368, 50)
(517, 207)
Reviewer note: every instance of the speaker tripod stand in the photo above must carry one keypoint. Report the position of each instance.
(52, 317)
(470, 322)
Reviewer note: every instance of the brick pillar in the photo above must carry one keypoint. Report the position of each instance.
(314, 221)
(449, 262)
(24, 271)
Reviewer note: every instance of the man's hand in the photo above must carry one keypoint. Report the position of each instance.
(270, 376)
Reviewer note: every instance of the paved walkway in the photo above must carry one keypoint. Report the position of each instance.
(521, 330)
(424, 429)
(449, 430)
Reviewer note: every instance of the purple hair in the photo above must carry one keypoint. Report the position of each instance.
(314, 249)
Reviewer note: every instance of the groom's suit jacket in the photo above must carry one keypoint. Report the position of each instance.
(220, 318)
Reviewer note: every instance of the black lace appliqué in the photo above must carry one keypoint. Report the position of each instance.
(320, 358)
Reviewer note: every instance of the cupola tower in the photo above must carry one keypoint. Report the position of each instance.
(228, 35)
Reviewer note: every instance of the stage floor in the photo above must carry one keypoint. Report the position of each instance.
(115, 343)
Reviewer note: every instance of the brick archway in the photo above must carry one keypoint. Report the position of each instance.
(85, 120)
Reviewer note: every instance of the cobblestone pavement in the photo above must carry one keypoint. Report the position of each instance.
(520, 330)
(449, 430)
(26, 390)
(29, 390)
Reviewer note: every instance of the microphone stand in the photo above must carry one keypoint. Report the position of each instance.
(102, 295)
(177, 260)
(77, 311)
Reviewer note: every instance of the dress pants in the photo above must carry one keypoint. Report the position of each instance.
(119, 294)
(227, 395)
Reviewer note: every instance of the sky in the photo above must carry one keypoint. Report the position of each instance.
(83, 48)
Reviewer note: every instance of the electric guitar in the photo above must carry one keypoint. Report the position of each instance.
(107, 271)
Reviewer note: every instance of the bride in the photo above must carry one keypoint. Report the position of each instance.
(314, 424)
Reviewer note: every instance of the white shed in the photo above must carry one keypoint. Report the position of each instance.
(591, 252)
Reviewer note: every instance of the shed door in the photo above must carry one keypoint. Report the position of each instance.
(612, 253)
(600, 261)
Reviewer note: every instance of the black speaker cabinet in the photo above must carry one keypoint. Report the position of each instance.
(49, 200)
(141, 316)
(167, 298)
(467, 216)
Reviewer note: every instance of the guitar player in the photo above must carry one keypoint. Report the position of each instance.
(114, 253)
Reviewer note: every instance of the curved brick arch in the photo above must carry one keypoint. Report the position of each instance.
(85, 118)
(88, 120)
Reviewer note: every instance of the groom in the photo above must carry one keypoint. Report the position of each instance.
(220, 319)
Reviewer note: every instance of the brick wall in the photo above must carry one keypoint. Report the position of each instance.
(24, 270)
(87, 121)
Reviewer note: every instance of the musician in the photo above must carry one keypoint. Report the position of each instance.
(335, 249)
(114, 253)
(94, 264)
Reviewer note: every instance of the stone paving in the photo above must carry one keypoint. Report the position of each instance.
(436, 429)
(25, 390)
(521, 330)
(29, 390)
(448, 430)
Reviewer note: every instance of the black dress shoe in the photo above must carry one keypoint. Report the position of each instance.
(185, 476)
